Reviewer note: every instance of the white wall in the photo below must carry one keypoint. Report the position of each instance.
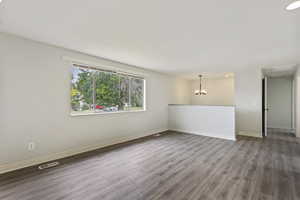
(246, 94)
(212, 121)
(248, 101)
(220, 91)
(279, 97)
(181, 90)
(35, 106)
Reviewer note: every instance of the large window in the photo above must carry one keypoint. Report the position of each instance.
(99, 91)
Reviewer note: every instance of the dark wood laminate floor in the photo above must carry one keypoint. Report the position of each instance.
(174, 166)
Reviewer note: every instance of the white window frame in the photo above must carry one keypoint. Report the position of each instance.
(112, 70)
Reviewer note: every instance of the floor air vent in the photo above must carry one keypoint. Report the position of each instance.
(48, 165)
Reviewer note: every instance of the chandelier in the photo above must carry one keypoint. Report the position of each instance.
(200, 91)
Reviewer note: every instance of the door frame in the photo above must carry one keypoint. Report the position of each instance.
(264, 106)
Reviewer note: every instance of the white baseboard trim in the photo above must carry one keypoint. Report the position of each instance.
(250, 134)
(36, 161)
(283, 130)
(203, 134)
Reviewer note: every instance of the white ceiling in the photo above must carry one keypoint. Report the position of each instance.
(208, 75)
(280, 71)
(172, 36)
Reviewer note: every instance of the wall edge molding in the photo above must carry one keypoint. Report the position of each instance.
(250, 134)
(201, 134)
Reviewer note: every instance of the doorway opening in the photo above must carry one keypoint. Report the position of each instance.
(278, 101)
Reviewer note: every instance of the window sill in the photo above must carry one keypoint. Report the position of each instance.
(105, 113)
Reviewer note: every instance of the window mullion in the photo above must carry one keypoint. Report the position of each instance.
(94, 89)
(129, 91)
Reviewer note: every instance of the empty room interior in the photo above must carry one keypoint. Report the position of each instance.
(149, 100)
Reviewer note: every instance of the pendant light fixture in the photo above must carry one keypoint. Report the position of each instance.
(200, 91)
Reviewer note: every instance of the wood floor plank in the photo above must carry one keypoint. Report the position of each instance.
(174, 166)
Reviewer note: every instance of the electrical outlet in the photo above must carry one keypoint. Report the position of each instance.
(31, 146)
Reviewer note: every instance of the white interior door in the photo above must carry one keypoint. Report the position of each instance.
(279, 100)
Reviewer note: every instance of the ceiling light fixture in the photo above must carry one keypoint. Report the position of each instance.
(200, 91)
(293, 6)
